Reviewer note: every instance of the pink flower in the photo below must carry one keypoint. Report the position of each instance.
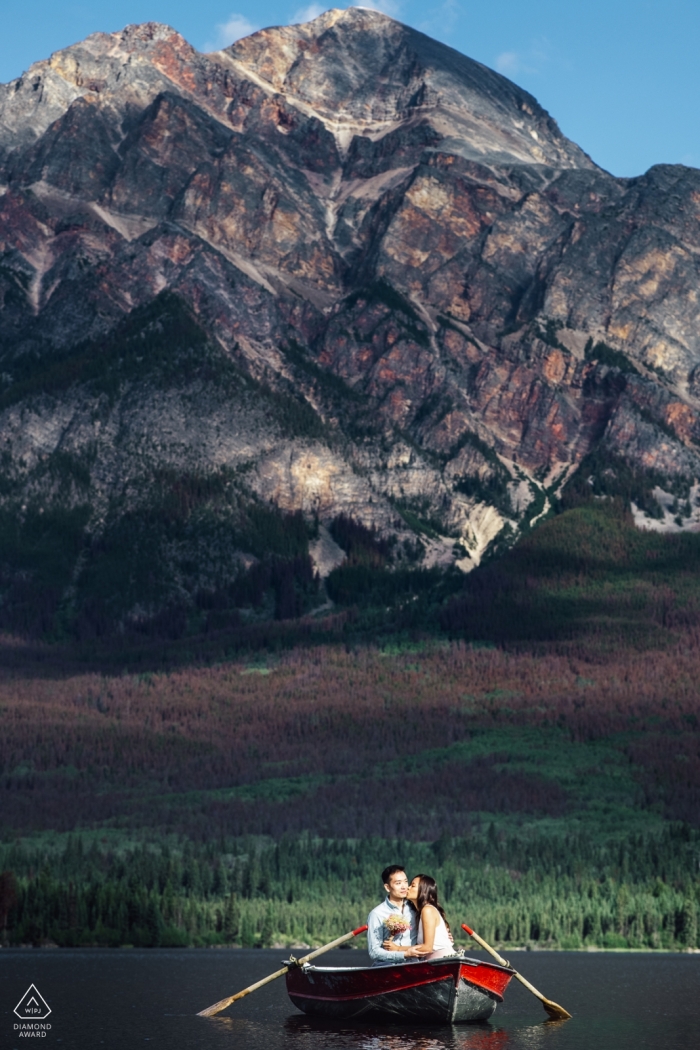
(396, 924)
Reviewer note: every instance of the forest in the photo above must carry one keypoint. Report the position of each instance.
(530, 737)
(570, 892)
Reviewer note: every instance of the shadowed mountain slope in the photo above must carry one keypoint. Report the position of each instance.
(336, 270)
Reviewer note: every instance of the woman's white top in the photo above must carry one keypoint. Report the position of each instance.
(442, 943)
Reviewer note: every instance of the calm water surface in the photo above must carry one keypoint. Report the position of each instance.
(115, 1000)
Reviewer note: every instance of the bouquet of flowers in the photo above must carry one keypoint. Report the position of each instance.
(396, 924)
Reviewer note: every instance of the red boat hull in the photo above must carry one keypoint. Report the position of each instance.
(447, 991)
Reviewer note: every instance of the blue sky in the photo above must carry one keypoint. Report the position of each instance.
(621, 77)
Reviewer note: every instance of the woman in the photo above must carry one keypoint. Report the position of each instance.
(434, 937)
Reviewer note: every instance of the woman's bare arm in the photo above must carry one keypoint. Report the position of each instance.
(430, 918)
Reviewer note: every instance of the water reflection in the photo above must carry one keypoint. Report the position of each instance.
(532, 1037)
(126, 1000)
(360, 1037)
(311, 1032)
(241, 1028)
(302, 1033)
(455, 1039)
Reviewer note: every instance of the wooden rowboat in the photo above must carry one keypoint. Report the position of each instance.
(452, 990)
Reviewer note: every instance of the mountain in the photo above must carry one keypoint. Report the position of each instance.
(337, 289)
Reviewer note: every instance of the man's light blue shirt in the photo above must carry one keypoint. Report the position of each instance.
(377, 932)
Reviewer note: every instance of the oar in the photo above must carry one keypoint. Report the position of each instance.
(218, 1007)
(555, 1011)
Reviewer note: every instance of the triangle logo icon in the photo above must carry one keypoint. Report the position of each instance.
(32, 1006)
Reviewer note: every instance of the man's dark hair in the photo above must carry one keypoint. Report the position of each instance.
(391, 870)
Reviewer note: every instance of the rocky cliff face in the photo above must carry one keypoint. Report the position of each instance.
(340, 269)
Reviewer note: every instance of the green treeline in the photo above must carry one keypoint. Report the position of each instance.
(568, 891)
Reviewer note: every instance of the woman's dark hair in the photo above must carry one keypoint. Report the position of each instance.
(428, 894)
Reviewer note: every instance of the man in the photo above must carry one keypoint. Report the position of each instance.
(396, 886)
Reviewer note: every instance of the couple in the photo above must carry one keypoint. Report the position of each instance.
(413, 918)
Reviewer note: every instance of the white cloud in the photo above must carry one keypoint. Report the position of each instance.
(387, 7)
(443, 20)
(540, 57)
(307, 14)
(509, 63)
(227, 32)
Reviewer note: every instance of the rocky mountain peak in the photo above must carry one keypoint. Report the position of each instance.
(129, 65)
(337, 270)
(362, 72)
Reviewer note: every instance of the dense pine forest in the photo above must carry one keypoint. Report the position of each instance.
(529, 735)
(569, 891)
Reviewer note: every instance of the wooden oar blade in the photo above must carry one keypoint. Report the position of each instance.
(555, 1011)
(215, 1009)
(223, 1003)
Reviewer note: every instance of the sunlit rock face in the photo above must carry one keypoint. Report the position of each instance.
(369, 226)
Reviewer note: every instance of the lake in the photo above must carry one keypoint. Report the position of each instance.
(116, 1000)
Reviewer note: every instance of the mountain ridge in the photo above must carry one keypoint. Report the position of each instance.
(410, 300)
